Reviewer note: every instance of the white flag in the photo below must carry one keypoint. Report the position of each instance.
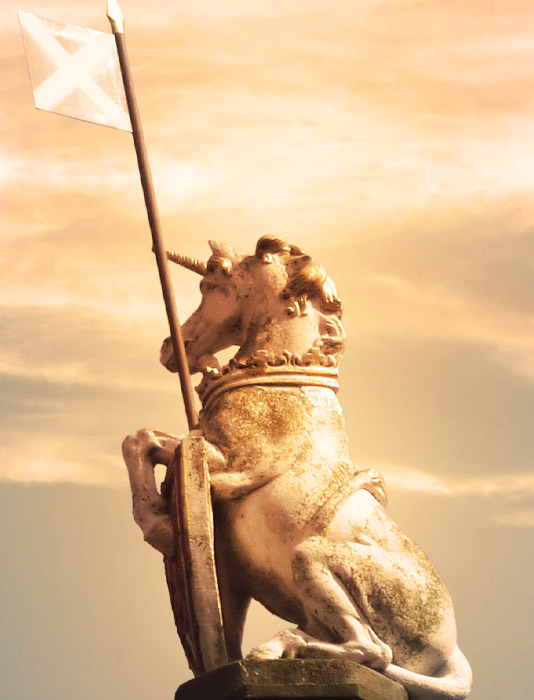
(75, 71)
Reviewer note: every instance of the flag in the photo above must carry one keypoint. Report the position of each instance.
(75, 71)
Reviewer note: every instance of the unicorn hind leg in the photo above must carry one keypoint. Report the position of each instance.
(335, 625)
(333, 615)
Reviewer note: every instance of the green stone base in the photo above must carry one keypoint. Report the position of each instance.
(291, 678)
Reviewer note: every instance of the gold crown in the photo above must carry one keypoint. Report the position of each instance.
(314, 368)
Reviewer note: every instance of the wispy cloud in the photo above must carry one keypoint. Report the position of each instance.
(502, 490)
(44, 462)
(455, 273)
(324, 120)
(111, 179)
(76, 374)
(403, 478)
(89, 176)
(88, 351)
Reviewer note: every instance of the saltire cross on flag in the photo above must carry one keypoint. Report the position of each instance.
(75, 71)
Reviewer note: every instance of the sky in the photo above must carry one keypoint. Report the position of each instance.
(394, 141)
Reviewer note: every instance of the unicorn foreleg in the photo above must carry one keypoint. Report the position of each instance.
(141, 453)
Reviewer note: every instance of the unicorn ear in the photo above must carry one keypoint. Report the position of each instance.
(222, 250)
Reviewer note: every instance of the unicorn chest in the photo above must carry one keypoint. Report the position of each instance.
(266, 432)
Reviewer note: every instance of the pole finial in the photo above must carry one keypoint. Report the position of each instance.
(116, 17)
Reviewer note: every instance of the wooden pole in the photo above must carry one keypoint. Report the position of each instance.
(116, 20)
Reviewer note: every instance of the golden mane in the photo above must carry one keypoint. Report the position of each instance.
(307, 279)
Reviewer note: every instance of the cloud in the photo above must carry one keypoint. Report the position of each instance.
(92, 256)
(112, 181)
(73, 383)
(445, 407)
(73, 347)
(44, 462)
(500, 490)
(304, 112)
(62, 175)
(403, 478)
(462, 273)
(321, 122)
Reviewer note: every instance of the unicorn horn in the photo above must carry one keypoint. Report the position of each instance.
(190, 263)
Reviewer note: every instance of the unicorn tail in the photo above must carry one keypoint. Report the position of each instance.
(453, 681)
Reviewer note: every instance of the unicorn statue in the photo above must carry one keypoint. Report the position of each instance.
(297, 527)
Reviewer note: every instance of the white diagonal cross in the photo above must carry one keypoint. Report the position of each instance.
(75, 71)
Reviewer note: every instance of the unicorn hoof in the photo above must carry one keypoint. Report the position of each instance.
(287, 644)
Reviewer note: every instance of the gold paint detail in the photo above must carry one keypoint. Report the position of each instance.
(115, 17)
(264, 369)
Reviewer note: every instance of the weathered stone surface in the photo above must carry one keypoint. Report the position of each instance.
(297, 526)
(291, 678)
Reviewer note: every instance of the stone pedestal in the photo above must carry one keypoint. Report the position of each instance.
(291, 678)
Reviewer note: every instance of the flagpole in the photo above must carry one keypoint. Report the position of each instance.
(116, 19)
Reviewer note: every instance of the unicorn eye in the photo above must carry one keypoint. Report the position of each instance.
(216, 263)
(205, 285)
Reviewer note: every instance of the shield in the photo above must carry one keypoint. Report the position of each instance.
(191, 572)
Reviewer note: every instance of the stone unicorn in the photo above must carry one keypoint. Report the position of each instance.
(297, 527)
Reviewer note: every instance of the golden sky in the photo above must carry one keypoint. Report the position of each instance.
(393, 140)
